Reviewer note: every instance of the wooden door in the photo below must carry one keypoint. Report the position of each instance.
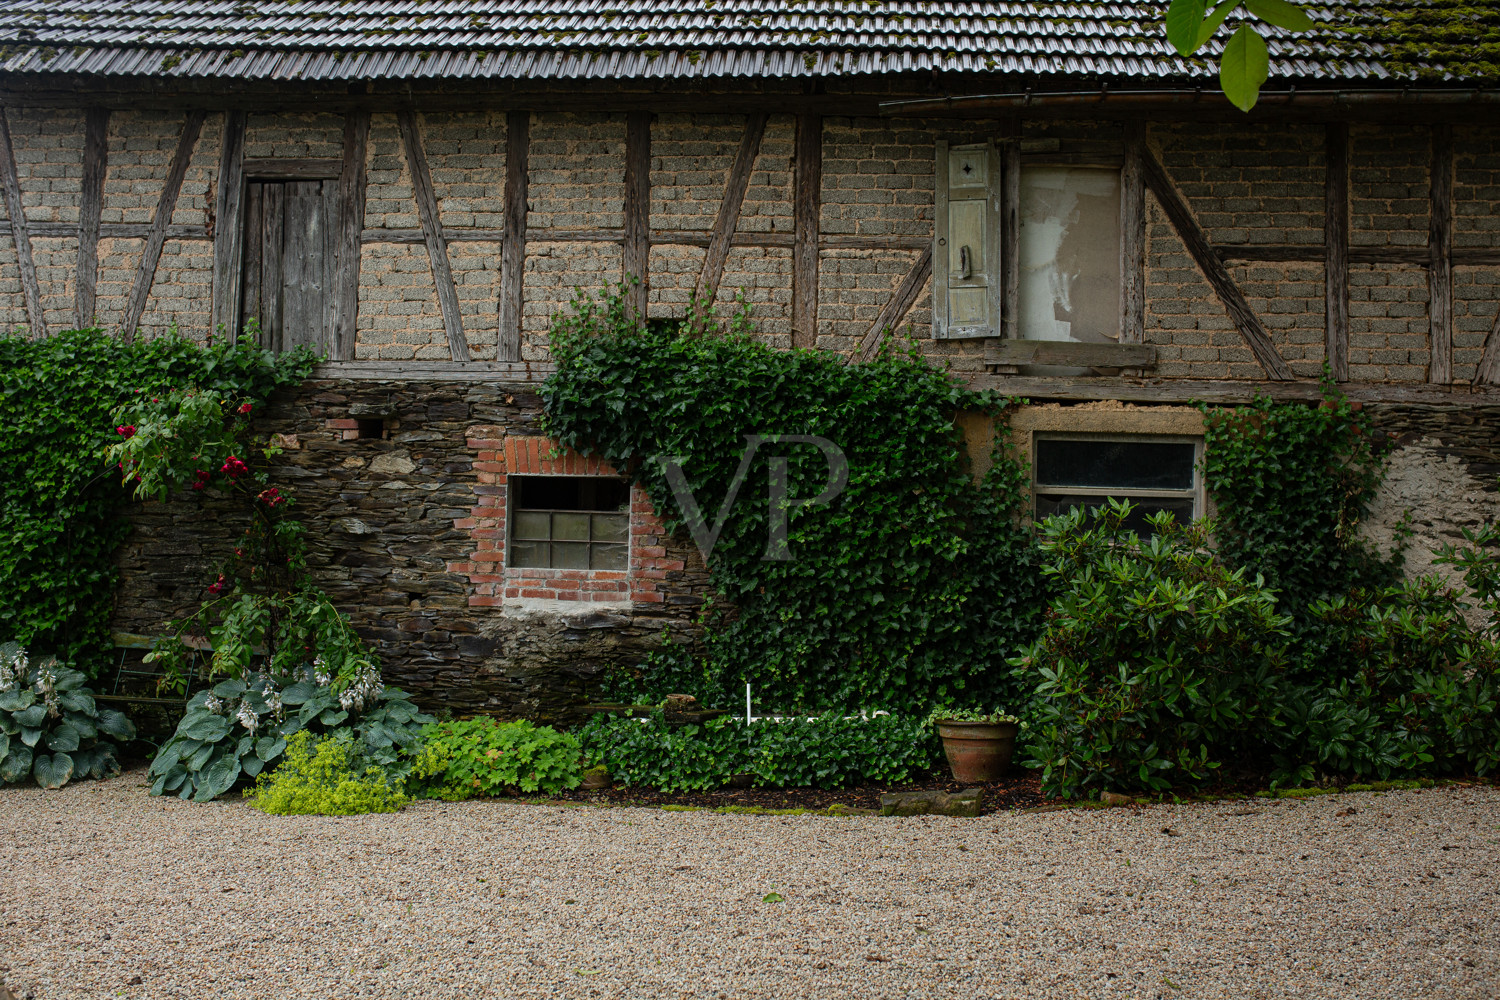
(290, 229)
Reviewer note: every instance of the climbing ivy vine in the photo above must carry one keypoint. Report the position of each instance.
(910, 588)
(60, 497)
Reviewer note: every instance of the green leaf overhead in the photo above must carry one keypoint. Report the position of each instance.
(1245, 65)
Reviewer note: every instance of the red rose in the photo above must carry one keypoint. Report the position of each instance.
(244, 407)
(126, 430)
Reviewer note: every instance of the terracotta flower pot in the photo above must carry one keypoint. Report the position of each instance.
(978, 751)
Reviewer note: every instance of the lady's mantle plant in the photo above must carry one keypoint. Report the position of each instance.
(50, 728)
(288, 659)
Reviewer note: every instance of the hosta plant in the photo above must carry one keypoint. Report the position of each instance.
(240, 726)
(50, 728)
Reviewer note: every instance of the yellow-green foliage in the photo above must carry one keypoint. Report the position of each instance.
(319, 779)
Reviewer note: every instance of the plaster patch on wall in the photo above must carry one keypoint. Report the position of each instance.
(1442, 498)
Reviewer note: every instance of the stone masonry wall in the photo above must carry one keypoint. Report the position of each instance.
(393, 524)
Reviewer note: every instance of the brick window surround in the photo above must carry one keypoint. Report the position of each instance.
(493, 583)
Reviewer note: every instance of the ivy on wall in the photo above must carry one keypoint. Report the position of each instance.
(910, 588)
(1292, 484)
(60, 498)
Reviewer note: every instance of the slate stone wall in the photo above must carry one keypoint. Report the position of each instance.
(389, 522)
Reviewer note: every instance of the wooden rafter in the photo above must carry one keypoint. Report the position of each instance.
(353, 182)
(728, 219)
(807, 197)
(513, 236)
(229, 225)
(156, 238)
(18, 230)
(90, 209)
(437, 246)
(1440, 258)
(897, 306)
(1133, 236)
(1336, 250)
(1196, 241)
(636, 259)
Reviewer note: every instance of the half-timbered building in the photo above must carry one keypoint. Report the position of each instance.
(1048, 198)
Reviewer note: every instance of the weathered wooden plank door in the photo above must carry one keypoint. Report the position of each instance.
(290, 231)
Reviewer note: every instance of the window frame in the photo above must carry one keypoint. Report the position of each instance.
(512, 508)
(1197, 492)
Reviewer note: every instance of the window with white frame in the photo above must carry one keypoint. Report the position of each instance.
(1154, 472)
(569, 522)
(1067, 246)
(1068, 242)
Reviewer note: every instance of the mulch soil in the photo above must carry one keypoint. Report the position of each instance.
(1018, 790)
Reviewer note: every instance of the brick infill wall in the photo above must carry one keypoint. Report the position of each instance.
(498, 455)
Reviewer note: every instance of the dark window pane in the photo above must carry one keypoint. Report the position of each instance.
(570, 555)
(611, 527)
(1048, 504)
(1141, 465)
(611, 557)
(534, 554)
(570, 527)
(533, 524)
(570, 493)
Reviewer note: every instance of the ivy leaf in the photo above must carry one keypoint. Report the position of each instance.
(1244, 67)
(1280, 13)
(1183, 19)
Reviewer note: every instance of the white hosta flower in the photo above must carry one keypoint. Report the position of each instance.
(273, 702)
(247, 716)
(213, 705)
(13, 669)
(46, 686)
(364, 690)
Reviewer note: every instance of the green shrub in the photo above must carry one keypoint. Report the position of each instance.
(319, 777)
(484, 756)
(238, 728)
(50, 728)
(1159, 664)
(1154, 660)
(1291, 484)
(61, 496)
(911, 588)
(827, 751)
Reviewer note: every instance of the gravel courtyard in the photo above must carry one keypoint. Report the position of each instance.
(105, 892)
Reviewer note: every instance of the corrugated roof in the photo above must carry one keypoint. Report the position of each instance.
(614, 39)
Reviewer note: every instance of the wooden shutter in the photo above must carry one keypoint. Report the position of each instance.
(290, 239)
(966, 243)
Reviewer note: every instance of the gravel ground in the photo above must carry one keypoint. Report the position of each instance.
(1361, 895)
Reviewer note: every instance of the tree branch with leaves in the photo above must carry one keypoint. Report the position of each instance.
(1245, 64)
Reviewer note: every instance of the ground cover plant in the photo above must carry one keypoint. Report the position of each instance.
(909, 589)
(322, 776)
(51, 729)
(825, 751)
(59, 493)
(467, 758)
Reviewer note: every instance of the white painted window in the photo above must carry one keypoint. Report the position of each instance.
(1069, 247)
